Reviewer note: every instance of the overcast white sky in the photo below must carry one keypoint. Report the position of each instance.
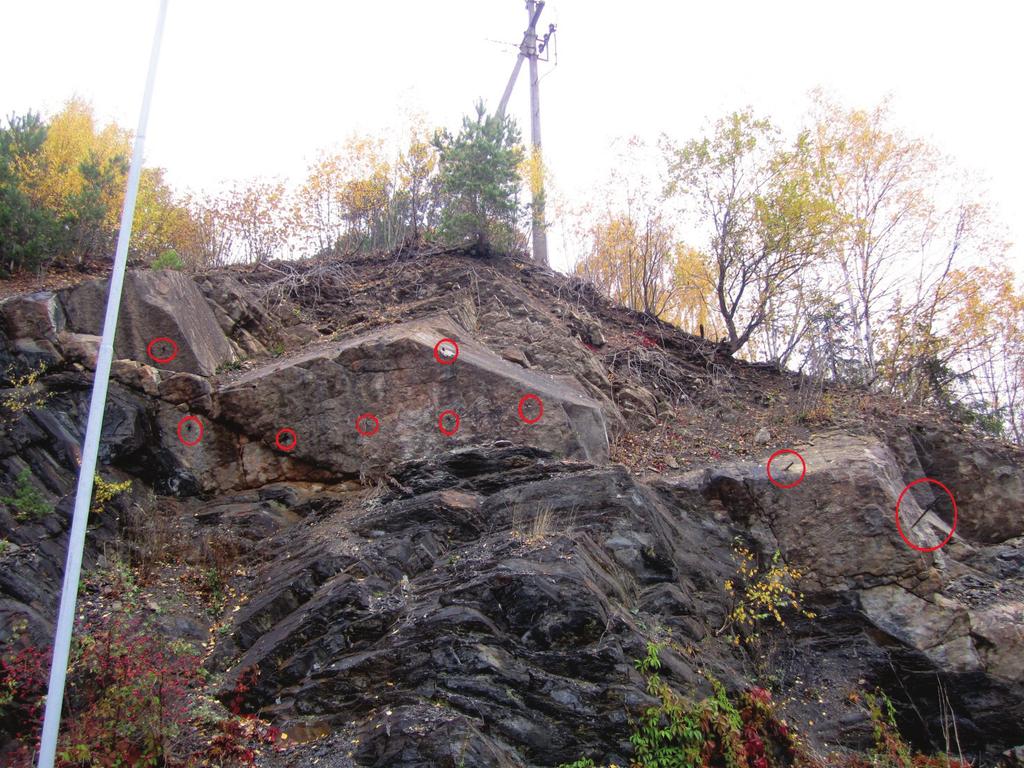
(256, 88)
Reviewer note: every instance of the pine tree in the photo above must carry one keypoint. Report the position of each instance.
(27, 233)
(480, 182)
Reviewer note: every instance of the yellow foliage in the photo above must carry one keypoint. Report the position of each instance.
(346, 190)
(533, 172)
(103, 491)
(23, 393)
(53, 177)
(692, 306)
(763, 593)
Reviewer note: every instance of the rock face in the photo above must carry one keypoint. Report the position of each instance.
(155, 304)
(32, 323)
(500, 599)
(839, 525)
(508, 586)
(478, 598)
(394, 375)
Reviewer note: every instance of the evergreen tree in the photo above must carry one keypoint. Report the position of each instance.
(27, 233)
(479, 180)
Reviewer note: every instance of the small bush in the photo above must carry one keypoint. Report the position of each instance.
(744, 732)
(231, 365)
(126, 698)
(761, 594)
(168, 260)
(820, 411)
(103, 491)
(890, 750)
(27, 502)
(24, 393)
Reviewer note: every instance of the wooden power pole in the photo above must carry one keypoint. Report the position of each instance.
(531, 49)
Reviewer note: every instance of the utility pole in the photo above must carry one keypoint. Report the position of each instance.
(531, 49)
(94, 427)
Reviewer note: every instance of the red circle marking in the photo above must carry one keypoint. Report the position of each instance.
(290, 445)
(899, 527)
(803, 471)
(181, 425)
(440, 423)
(437, 351)
(540, 408)
(157, 340)
(367, 432)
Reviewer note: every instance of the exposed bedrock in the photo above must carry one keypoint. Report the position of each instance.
(155, 304)
(512, 590)
(393, 375)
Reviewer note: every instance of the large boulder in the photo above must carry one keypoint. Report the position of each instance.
(394, 375)
(31, 322)
(154, 304)
(32, 316)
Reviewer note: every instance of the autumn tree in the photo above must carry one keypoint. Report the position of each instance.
(257, 213)
(62, 184)
(877, 179)
(417, 181)
(209, 237)
(754, 198)
(632, 260)
(631, 248)
(693, 308)
(79, 175)
(345, 202)
(479, 181)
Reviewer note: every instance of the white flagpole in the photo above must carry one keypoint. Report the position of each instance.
(83, 497)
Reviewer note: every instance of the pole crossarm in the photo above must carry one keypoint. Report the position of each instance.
(530, 50)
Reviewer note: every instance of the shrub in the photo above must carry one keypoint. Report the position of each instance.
(24, 393)
(28, 503)
(716, 731)
(761, 594)
(125, 698)
(169, 259)
(127, 687)
(103, 491)
(890, 750)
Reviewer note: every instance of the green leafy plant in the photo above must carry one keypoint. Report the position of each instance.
(736, 732)
(27, 502)
(5, 545)
(169, 259)
(231, 365)
(479, 181)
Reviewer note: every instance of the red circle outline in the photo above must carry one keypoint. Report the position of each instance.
(284, 431)
(162, 360)
(440, 423)
(376, 425)
(540, 406)
(182, 424)
(899, 527)
(437, 346)
(773, 481)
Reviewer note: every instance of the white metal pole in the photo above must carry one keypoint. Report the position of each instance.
(83, 497)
